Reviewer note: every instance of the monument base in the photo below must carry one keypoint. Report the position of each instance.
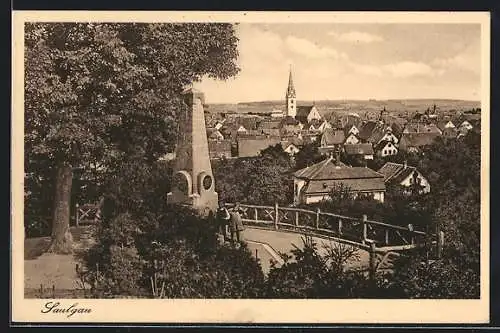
(202, 204)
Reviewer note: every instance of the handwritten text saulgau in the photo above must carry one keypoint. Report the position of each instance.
(56, 307)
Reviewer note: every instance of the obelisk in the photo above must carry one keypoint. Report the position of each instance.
(193, 182)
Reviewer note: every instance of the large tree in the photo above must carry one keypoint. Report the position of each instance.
(97, 93)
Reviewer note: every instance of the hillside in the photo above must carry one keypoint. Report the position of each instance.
(358, 106)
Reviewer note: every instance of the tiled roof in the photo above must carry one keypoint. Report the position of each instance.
(365, 132)
(269, 124)
(224, 145)
(289, 121)
(395, 172)
(355, 185)
(417, 139)
(377, 133)
(421, 128)
(332, 137)
(327, 169)
(359, 149)
(253, 146)
(303, 111)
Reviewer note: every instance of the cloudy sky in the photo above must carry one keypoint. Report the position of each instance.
(353, 61)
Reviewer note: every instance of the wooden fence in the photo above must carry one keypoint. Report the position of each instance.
(88, 214)
(360, 232)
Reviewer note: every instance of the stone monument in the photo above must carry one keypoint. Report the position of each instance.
(193, 182)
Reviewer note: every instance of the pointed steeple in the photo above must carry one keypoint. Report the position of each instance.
(290, 92)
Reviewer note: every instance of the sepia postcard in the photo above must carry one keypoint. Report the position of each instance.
(250, 167)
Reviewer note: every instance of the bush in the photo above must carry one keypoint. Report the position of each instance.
(150, 249)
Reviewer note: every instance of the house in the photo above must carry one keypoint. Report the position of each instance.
(214, 134)
(351, 139)
(309, 137)
(277, 114)
(388, 135)
(421, 128)
(270, 127)
(366, 131)
(449, 132)
(316, 182)
(290, 125)
(351, 128)
(219, 149)
(219, 124)
(331, 140)
(306, 114)
(252, 146)
(324, 125)
(405, 176)
(360, 149)
(444, 124)
(413, 142)
(290, 148)
(241, 129)
(386, 148)
(465, 125)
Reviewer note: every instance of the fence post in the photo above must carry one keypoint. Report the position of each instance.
(317, 218)
(440, 244)
(365, 228)
(276, 216)
(340, 226)
(296, 218)
(373, 262)
(77, 214)
(256, 215)
(386, 236)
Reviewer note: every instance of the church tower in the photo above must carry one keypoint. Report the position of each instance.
(291, 98)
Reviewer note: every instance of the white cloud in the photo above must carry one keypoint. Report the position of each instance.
(368, 69)
(409, 68)
(401, 69)
(311, 50)
(355, 37)
(259, 44)
(462, 61)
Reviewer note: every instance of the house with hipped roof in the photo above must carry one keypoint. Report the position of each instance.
(365, 150)
(316, 182)
(406, 176)
(331, 140)
(414, 142)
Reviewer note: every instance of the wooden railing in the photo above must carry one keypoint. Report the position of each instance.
(88, 214)
(360, 232)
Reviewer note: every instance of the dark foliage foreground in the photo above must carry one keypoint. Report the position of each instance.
(149, 249)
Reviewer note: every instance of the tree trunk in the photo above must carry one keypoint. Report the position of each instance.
(61, 236)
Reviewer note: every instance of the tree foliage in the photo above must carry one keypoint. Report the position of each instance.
(260, 180)
(99, 93)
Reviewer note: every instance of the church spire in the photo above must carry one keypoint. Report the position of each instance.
(290, 92)
(291, 98)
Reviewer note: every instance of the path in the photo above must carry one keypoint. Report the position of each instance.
(283, 242)
(48, 270)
